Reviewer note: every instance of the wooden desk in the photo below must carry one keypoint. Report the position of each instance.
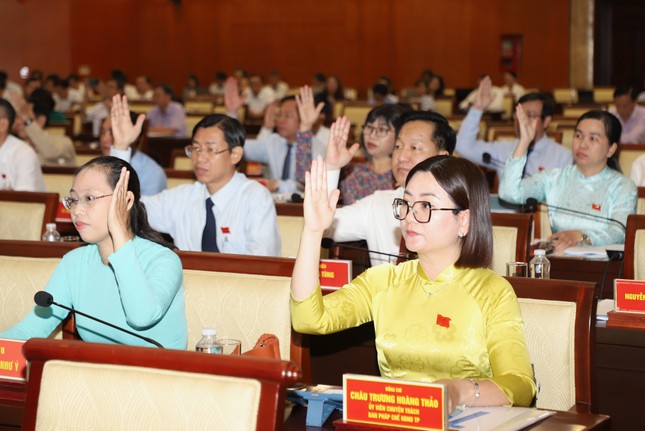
(620, 376)
(561, 421)
(577, 268)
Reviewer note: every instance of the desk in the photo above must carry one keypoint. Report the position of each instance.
(620, 376)
(577, 268)
(561, 421)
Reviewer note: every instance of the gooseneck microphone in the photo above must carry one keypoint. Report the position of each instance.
(45, 299)
(532, 203)
(490, 160)
(296, 198)
(328, 243)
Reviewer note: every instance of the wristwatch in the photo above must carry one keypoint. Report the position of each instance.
(585, 239)
(28, 121)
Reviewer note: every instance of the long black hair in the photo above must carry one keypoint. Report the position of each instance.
(111, 167)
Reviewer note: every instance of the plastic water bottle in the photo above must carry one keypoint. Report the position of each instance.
(540, 265)
(51, 234)
(209, 343)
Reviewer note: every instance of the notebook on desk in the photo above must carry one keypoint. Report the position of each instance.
(497, 418)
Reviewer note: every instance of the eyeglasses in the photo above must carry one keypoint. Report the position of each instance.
(380, 132)
(86, 201)
(194, 150)
(421, 210)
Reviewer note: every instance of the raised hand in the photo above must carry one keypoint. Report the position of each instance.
(319, 207)
(232, 99)
(484, 95)
(338, 155)
(306, 109)
(123, 131)
(528, 129)
(269, 116)
(118, 219)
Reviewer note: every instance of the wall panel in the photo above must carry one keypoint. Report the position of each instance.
(359, 40)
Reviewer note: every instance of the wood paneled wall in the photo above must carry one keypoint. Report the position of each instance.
(359, 40)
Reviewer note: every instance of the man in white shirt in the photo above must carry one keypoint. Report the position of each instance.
(630, 114)
(259, 96)
(19, 165)
(496, 104)
(419, 135)
(223, 211)
(279, 87)
(512, 87)
(65, 99)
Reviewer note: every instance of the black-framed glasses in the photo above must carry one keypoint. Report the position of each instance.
(380, 132)
(195, 150)
(421, 210)
(86, 201)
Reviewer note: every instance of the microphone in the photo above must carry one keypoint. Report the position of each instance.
(296, 198)
(490, 160)
(45, 299)
(532, 203)
(328, 243)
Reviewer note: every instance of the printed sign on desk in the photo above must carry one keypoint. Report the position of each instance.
(334, 274)
(13, 364)
(630, 295)
(62, 213)
(396, 403)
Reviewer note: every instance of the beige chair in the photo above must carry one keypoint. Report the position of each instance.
(199, 106)
(559, 321)
(81, 159)
(356, 113)
(23, 215)
(179, 177)
(58, 179)
(221, 109)
(565, 96)
(21, 278)
(79, 386)
(627, 155)
(511, 238)
(542, 223)
(141, 107)
(603, 94)
(444, 105)
(290, 230)
(191, 121)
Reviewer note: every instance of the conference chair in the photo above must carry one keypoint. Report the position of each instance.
(23, 215)
(559, 326)
(75, 385)
(58, 179)
(626, 156)
(634, 258)
(177, 177)
(511, 239)
(565, 96)
(640, 206)
(444, 105)
(542, 223)
(603, 94)
(199, 106)
(356, 113)
(179, 161)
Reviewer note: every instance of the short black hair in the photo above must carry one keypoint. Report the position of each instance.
(234, 133)
(613, 130)
(443, 136)
(166, 89)
(7, 111)
(622, 90)
(548, 104)
(42, 101)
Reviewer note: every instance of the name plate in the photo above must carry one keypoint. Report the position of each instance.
(13, 364)
(334, 274)
(395, 403)
(629, 295)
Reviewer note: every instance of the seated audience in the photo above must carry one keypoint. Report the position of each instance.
(444, 317)
(593, 185)
(257, 97)
(216, 88)
(76, 87)
(192, 88)
(495, 104)
(436, 86)
(543, 154)
(8, 87)
(167, 118)
(152, 177)
(419, 135)
(100, 111)
(143, 90)
(223, 211)
(630, 114)
(318, 82)
(30, 126)
(19, 165)
(279, 87)
(422, 97)
(512, 87)
(334, 91)
(293, 123)
(126, 275)
(66, 100)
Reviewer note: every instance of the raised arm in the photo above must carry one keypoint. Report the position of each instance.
(319, 208)
(123, 131)
(308, 114)
(232, 99)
